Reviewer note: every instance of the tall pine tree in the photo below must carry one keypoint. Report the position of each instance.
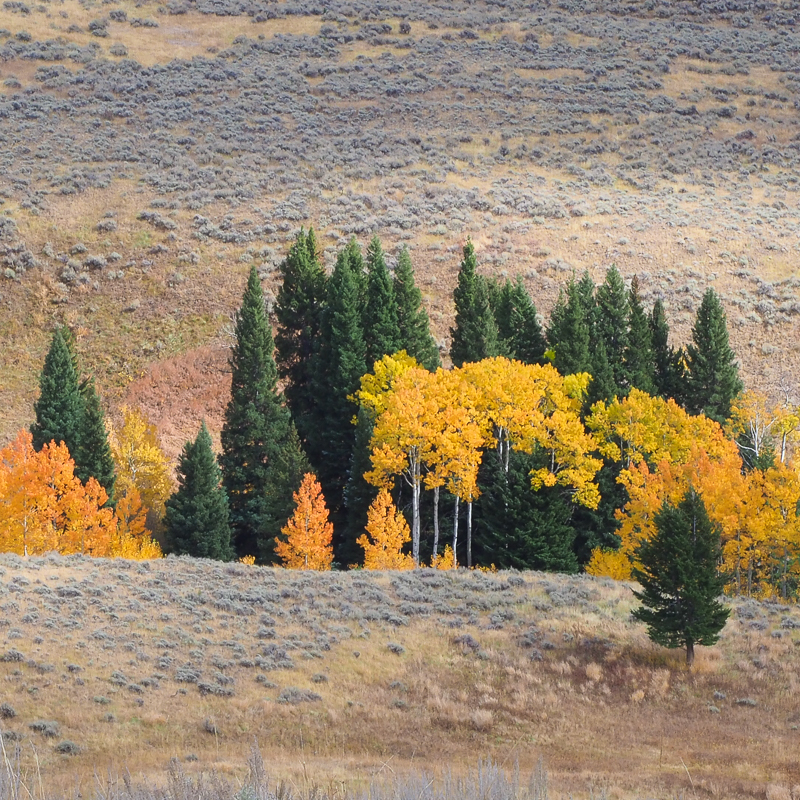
(196, 518)
(474, 336)
(298, 310)
(412, 319)
(381, 327)
(712, 375)
(341, 362)
(59, 409)
(94, 458)
(257, 423)
(611, 327)
(668, 363)
(569, 332)
(520, 334)
(639, 358)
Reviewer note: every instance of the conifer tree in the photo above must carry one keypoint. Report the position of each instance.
(474, 336)
(611, 327)
(639, 357)
(341, 362)
(569, 332)
(59, 409)
(196, 520)
(520, 528)
(669, 375)
(412, 319)
(298, 310)
(712, 375)
(359, 493)
(381, 328)
(679, 578)
(94, 458)
(257, 423)
(527, 339)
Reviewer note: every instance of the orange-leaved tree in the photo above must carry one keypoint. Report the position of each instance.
(132, 539)
(388, 532)
(43, 505)
(308, 532)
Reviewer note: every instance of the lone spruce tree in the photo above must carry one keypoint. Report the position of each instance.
(475, 331)
(196, 518)
(412, 319)
(611, 327)
(712, 375)
(298, 310)
(257, 424)
(59, 409)
(679, 579)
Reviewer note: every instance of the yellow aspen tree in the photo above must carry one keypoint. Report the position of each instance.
(308, 532)
(140, 462)
(388, 532)
(758, 424)
(132, 539)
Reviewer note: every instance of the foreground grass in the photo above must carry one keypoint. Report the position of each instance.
(343, 676)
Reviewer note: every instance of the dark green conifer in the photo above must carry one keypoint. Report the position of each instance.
(527, 338)
(341, 362)
(474, 336)
(94, 459)
(257, 423)
(603, 385)
(679, 577)
(196, 518)
(59, 409)
(298, 309)
(639, 357)
(611, 327)
(668, 363)
(412, 319)
(569, 332)
(712, 374)
(517, 528)
(359, 494)
(381, 328)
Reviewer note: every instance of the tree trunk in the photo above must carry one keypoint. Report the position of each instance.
(415, 489)
(435, 521)
(455, 534)
(469, 535)
(689, 653)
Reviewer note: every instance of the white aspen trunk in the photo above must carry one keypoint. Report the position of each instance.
(455, 533)
(415, 489)
(469, 534)
(435, 521)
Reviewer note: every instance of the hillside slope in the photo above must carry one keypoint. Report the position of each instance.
(339, 674)
(152, 152)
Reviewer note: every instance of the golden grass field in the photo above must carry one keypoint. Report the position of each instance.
(414, 671)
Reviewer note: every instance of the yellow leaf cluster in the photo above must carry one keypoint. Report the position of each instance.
(139, 460)
(447, 560)
(308, 532)
(388, 532)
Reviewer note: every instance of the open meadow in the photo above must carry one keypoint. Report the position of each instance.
(343, 678)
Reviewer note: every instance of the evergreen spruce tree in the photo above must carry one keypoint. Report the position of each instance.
(668, 375)
(257, 423)
(639, 357)
(712, 375)
(569, 332)
(528, 342)
(381, 328)
(474, 336)
(517, 528)
(59, 409)
(412, 319)
(196, 518)
(603, 385)
(299, 310)
(501, 301)
(679, 578)
(359, 494)
(611, 327)
(94, 459)
(341, 362)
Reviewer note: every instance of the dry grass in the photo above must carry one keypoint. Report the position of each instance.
(566, 667)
